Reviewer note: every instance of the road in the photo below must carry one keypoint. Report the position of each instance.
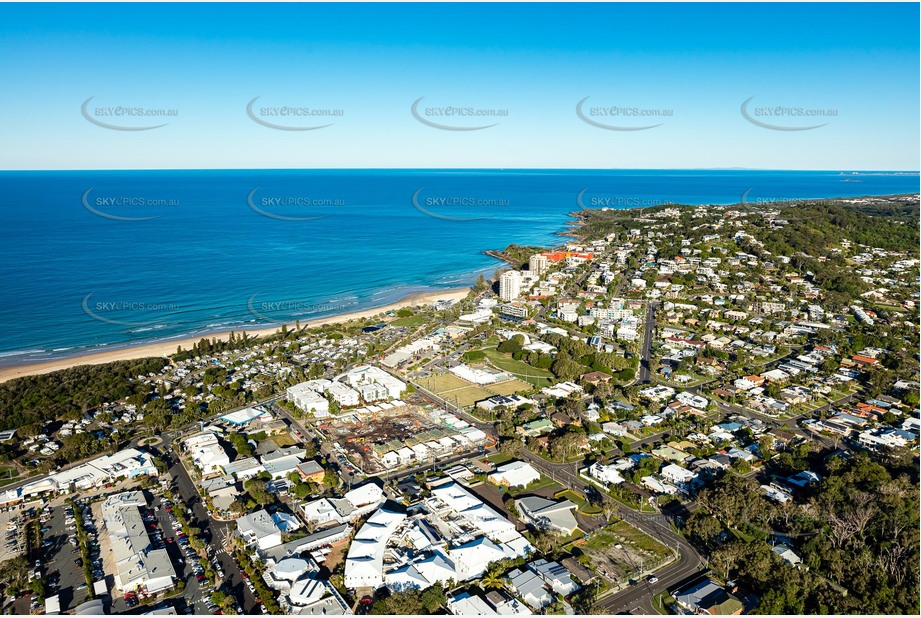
(233, 581)
(639, 597)
(643, 375)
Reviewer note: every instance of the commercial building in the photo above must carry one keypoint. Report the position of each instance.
(129, 463)
(241, 417)
(354, 504)
(708, 597)
(206, 452)
(343, 394)
(364, 564)
(366, 375)
(546, 514)
(136, 563)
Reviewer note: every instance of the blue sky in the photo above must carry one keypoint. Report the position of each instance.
(690, 66)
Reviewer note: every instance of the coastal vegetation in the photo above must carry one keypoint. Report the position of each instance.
(27, 403)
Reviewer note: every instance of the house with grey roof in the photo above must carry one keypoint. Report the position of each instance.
(546, 514)
(531, 588)
(555, 575)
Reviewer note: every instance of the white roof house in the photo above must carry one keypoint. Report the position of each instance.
(465, 604)
(674, 473)
(259, 529)
(472, 559)
(515, 474)
(555, 575)
(609, 473)
(690, 399)
(369, 493)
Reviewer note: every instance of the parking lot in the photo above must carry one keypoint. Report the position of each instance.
(62, 556)
(11, 525)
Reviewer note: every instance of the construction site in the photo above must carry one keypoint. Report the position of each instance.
(400, 437)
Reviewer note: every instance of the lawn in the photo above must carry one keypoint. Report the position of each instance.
(413, 320)
(8, 475)
(499, 458)
(463, 397)
(581, 503)
(520, 369)
(283, 440)
(662, 601)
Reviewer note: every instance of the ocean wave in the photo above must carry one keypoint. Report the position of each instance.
(22, 352)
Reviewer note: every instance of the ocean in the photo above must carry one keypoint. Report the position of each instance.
(93, 261)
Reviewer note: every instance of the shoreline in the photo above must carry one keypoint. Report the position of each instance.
(168, 348)
(575, 220)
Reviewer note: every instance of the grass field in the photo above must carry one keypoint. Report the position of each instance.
(466, 396)
(8, 475)
(499, 458)
(412, 321)
(283, 440)
(510, 387)
(520, 369)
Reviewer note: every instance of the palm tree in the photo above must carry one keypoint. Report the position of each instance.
(492, 580)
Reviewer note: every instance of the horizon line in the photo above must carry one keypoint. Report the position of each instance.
(496, 169)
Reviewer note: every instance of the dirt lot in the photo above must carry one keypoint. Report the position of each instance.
(618, 552)
(443, 383)
(510, 387)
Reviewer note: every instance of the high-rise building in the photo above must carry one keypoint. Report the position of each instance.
(510, 285)
(538, 264)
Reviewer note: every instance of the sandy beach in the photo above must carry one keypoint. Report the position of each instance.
(167, 348)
